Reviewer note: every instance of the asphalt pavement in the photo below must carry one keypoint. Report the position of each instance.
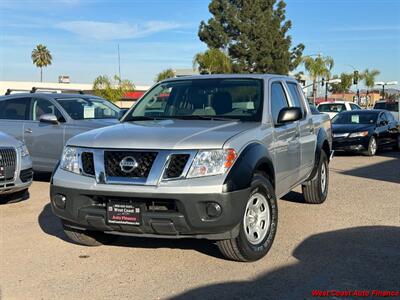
(349, 243)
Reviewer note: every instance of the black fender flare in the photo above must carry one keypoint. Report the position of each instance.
(322, 138)
(254, 156)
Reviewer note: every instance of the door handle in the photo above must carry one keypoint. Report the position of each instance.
(28, 130)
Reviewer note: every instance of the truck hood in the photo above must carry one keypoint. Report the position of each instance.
(8, 141)
(95, 123)
(162, 134)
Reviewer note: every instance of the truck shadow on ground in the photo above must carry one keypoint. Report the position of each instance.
(360, 258)
(51, 225)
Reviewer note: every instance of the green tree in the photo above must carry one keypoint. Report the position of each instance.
(212, 61)
(113, 90)
(41, 57)
(168, 73)
(369, 79)
(254, 34)
(317, 67)
(346, 80)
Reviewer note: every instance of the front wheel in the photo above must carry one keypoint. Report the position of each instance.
(315, 190)
(372, 147)
(258, 227)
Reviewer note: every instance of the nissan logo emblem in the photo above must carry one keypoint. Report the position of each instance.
(128, 164)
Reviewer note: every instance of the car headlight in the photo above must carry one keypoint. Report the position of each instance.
(69, 160)
(358, 134)
(23, 150)
(211, 162)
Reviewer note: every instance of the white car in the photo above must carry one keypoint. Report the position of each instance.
(333, 108)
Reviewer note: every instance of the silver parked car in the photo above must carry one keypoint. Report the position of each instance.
(45, 122)
(196, 157)
(15, 167)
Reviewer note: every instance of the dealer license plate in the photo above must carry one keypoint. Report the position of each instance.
(123, 213)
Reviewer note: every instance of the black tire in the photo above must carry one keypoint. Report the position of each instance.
(240, 248)
(88, 238)
(313, 190)
(396, 146)
(371, 151)
(14, 197)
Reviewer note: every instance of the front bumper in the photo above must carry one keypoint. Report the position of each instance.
(350, 144)
(183, 214)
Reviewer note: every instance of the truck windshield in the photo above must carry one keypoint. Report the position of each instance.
(89, 108)
(216, 99)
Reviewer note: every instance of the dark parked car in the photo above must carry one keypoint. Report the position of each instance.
(365, 131)
(45, 122)
(392, 106)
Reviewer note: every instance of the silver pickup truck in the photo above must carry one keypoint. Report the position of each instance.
(197, 157)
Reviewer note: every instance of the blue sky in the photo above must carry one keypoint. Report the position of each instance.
(83, 35)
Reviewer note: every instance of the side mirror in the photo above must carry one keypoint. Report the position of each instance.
(122, 112)
(289, 114)
(49, 118)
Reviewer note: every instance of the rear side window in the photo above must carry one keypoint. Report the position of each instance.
(390, 117)
(295, 95)
(354, 107)
(15, 109)
(278, 100)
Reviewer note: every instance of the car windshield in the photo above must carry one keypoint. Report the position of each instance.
(332, 107)
(89, 108)
(391, 106)
(355, 118)
(203, 99)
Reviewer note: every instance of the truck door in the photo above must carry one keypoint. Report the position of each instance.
(286, 145)
(308, 137)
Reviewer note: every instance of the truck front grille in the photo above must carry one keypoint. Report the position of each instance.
(114, 162)
(8, 160)
(176, 165)
(87, 163)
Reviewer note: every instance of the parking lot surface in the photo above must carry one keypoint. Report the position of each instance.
(351, 242)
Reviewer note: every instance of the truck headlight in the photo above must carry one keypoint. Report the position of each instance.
(69, 160)
(211, 162)
(358, 134)
(23, 150)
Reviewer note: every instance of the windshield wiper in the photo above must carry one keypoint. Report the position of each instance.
(213, 118)
(145, 118)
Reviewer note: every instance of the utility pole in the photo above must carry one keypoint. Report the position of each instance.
(119, 64)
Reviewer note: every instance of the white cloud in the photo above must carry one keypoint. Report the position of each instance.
(115, 31)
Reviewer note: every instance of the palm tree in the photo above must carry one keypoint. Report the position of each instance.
(168, 73)
(113, 90)
(369, 79)
(41, 57)
(318, 67)
(212, 61)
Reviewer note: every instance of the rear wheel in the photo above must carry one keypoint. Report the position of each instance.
(258, 227)
(88, 238)
(315, 191)
(372, 146)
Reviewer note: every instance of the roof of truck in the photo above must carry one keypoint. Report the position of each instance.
(214, 76)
